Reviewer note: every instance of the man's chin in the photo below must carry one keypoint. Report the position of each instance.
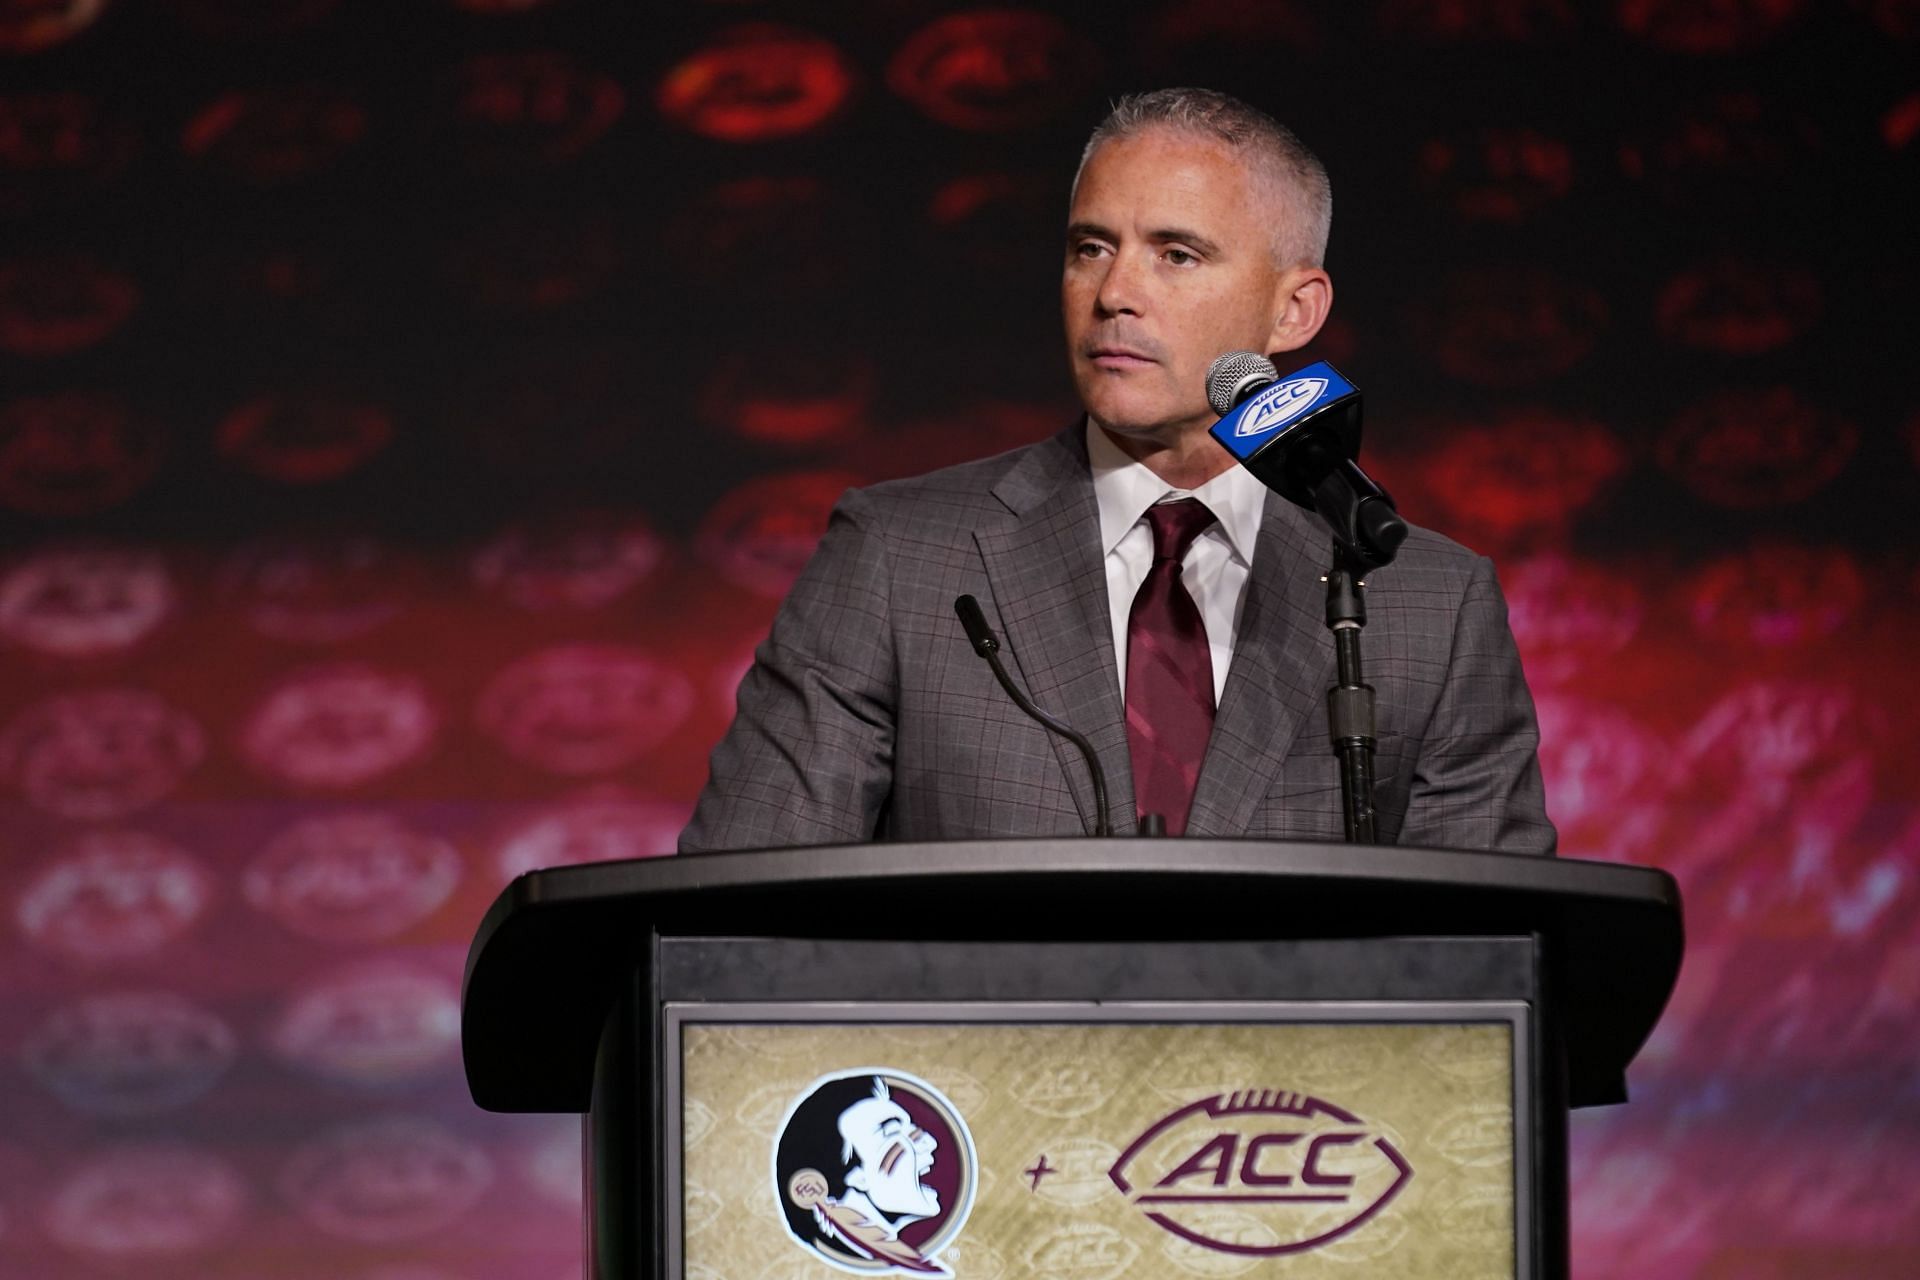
(1129, 414)
(1156, 426)
(1135, 396)
(1142, 403)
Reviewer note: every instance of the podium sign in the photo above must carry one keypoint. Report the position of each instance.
(1127, 1142)
(1072, 1059)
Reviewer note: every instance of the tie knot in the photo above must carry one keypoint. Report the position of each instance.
(1175, 525)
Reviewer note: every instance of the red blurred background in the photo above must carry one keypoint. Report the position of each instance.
(412, 411)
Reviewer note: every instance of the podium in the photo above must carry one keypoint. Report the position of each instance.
(1082, 1058)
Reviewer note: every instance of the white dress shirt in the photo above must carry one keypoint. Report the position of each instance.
(1216, 567)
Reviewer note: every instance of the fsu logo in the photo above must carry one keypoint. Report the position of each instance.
(993, 69)
(1308, 1171)
(1509, 21)
(1509, 326)
(1497, 175)
(761, 535)
(146, 1202)
(83, 601)
(1738, 306)
(1746, 448)
(758, 81)
(385, 1180)
(73, 453)
(1682, 26)
(250, 19)
(304, 439)
(58, 303)
(131, 1053)
(275, 135)
(517, 110)
(372, 1027)
(28, 26)
(874, 1171)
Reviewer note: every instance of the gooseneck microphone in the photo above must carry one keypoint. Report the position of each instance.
(987, 645)
(1300, 437)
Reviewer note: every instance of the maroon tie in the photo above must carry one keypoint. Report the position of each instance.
(1169, 671)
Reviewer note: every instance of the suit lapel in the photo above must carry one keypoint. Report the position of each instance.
(1282, 666)
(1049, 587)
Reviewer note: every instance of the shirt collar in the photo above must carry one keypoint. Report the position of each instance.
(1125, 489)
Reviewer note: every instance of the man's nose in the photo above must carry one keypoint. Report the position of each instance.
(1122, 288)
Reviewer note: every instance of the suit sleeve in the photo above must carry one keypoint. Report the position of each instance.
(809, 756)
(1476, 782)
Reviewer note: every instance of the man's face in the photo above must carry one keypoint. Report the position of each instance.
(1169, 266)
(891, 1156)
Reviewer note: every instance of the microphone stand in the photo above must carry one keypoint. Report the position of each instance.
(1350, 701)
(1309, 459)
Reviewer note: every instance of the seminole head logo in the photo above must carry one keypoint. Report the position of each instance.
(875, 1172)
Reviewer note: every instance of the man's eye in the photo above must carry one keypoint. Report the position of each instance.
(1088, 249)
(1180, 257)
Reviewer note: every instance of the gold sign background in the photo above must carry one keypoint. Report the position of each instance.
(1079, 1094)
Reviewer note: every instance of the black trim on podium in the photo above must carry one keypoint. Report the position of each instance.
(571, 969)
(551, 953)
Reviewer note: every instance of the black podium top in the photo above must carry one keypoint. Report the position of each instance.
(548, 959)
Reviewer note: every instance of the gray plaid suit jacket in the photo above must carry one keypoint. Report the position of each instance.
(867, 714)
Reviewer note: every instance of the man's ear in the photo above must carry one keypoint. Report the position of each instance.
(857, 1177)
(1302, 298)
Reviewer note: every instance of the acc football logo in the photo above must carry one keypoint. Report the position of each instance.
(874, 1171)
(1277, 406)
(1308, 1171)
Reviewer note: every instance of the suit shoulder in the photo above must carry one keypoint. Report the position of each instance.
(1438, 561)
(1438, 548)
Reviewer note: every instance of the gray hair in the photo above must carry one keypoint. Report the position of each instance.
(1293, 173)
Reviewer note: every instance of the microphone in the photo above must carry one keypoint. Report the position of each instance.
(1300, 438)
(987, 645)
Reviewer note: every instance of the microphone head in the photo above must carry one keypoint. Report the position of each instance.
(1234, 375)
(974, 622)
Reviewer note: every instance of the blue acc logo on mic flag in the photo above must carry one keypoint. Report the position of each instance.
(1248, 427)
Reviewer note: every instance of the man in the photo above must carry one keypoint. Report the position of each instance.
(1147, 590)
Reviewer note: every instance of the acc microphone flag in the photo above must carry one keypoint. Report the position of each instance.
(1300, 437)
(1278, 410)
